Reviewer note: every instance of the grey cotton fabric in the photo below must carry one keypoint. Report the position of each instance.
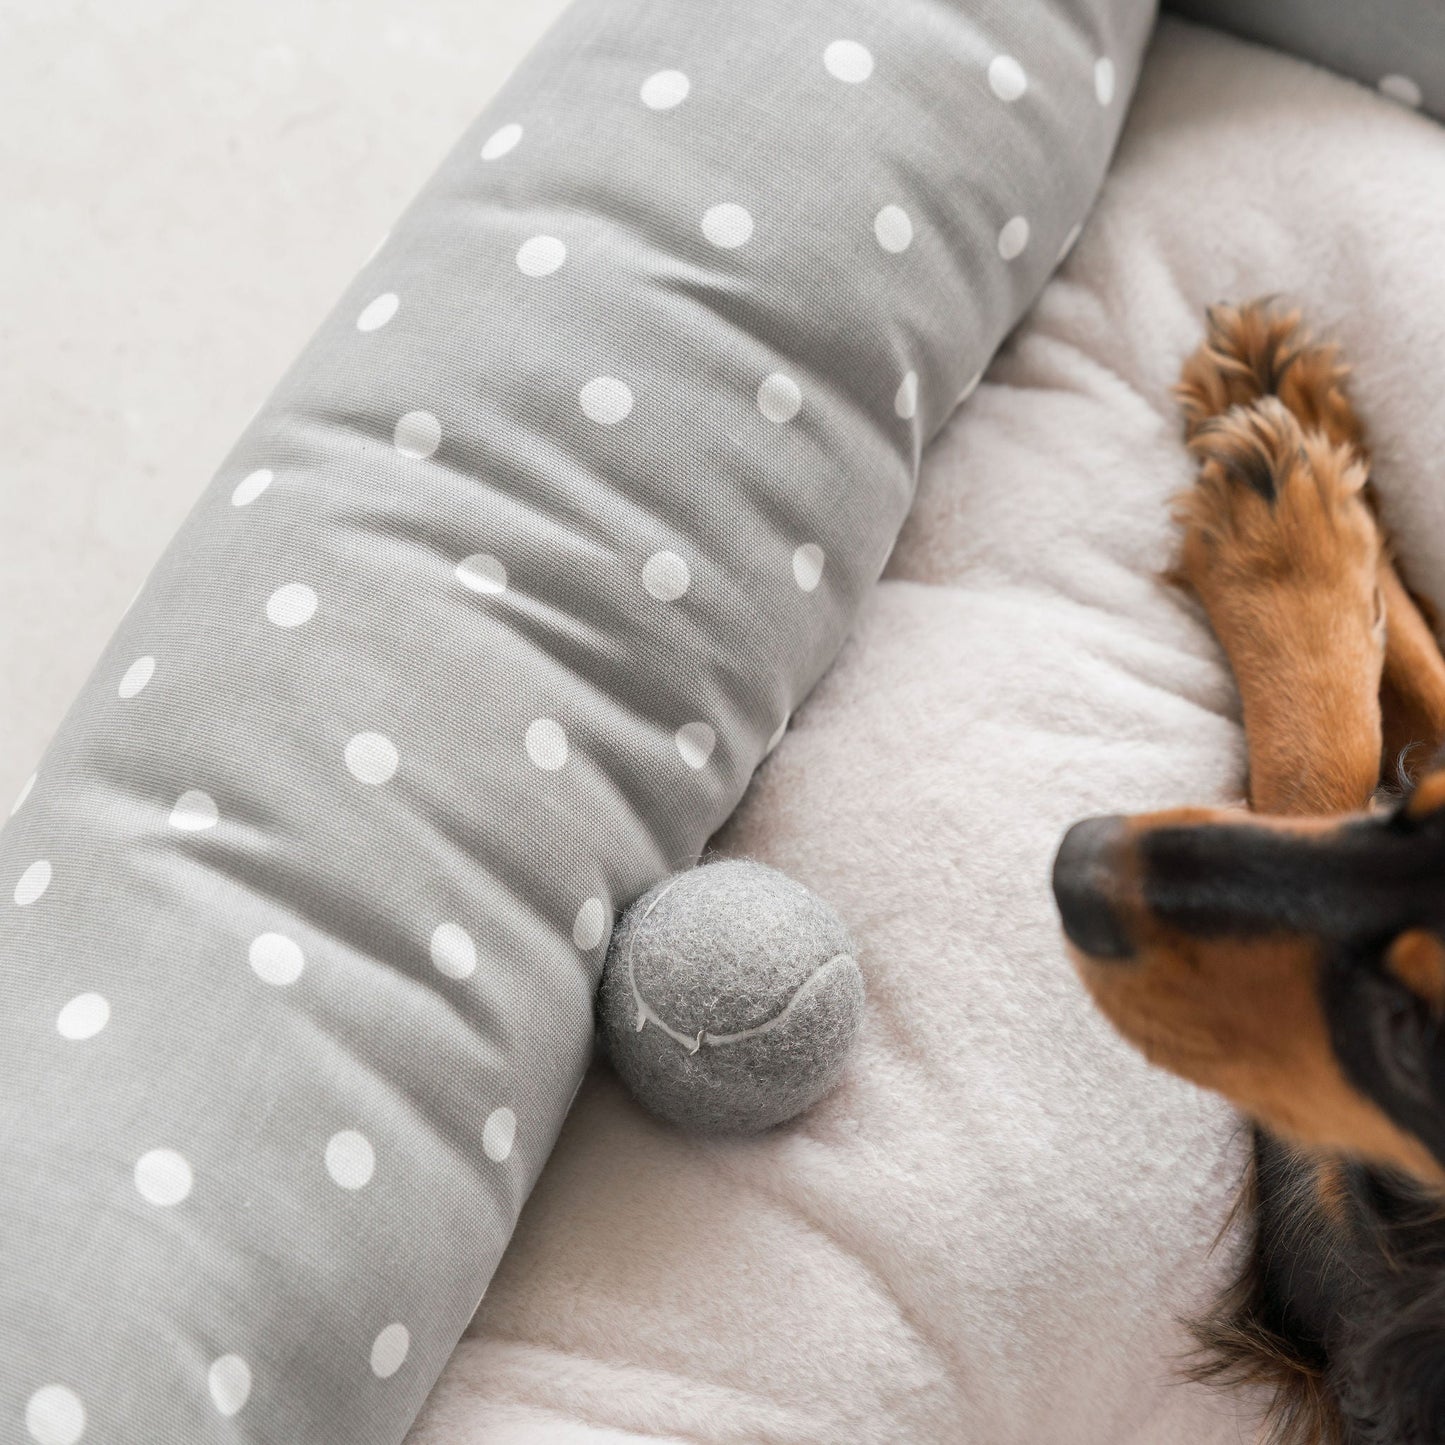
(1398, 46)
(730, 998)
(477, 634)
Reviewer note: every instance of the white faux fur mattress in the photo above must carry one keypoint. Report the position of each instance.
(987, 1235)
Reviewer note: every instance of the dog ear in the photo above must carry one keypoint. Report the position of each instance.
(1401, 1028)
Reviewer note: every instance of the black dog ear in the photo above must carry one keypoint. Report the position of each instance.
(1402, 1030)
(1411, 1024)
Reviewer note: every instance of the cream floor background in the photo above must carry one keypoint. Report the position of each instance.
(188, 186)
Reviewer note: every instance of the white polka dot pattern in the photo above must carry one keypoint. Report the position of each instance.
(54, 1415)
(229, 1382)
(417, 434)
(848, 61)
(665, 90)
(251, 486)
(452, 951)
(372, 758)
(292, 605)
(194, 812)
(502, 142)
(32, 884)
(779, 398)
(1104, 80)
(163, 1177)
(1402, 89)
(547, 744)
(482, 573)
(893, 228)
(276, 959)
(606, 400)
(350, 1159)
(389, 1351)
(666, 576)
(808, 566)
(377, 313)
(83, 1017)
(727, 226)
(137, 675)
(591, 925)
(1006, 77)
(541, 256)
(695, 742)
(494, 609)
(498, 1135)
(1013, 238)
(26, 788)
(905, 400)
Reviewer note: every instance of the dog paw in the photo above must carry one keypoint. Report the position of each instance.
(1277, 523)
(1262, 349)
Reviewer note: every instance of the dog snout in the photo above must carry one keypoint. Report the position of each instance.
(1086, 882)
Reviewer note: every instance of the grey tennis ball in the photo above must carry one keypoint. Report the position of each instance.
(747, 992)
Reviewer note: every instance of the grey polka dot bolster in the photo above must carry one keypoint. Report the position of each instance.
(479, 632)
(1397, 46)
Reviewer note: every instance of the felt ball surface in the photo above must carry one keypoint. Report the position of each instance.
(747, 993)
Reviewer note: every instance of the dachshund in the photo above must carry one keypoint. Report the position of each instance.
(1292, 957)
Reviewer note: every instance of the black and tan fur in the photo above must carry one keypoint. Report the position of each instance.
(1291, 957)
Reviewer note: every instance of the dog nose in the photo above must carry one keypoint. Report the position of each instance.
(1085, 870)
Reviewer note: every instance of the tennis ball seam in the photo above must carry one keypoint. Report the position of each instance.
(647, 1014)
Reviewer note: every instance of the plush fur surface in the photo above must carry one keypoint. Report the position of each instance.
(991, 1231)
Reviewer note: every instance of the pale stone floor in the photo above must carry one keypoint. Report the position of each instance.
(189, 184)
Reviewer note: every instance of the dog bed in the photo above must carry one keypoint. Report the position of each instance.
(990, 1232)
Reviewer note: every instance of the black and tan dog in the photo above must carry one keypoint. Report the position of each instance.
(1291, 958)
